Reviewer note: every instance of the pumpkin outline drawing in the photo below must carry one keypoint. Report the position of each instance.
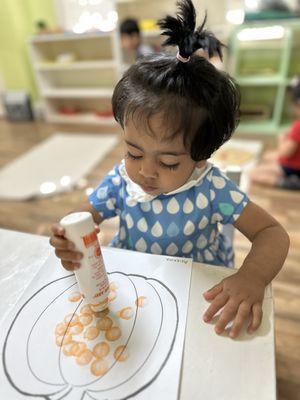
(67, 387)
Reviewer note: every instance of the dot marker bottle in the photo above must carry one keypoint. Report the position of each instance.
(91, 276)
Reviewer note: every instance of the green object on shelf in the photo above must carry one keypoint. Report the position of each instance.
(263, 68)
(269, 15)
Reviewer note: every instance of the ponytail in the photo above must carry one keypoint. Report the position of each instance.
(181, 32)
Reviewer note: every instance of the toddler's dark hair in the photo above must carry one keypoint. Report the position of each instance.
(129, 26)
(295, 89)
(193, 98)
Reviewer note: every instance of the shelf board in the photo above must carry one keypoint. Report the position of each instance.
(77, 65)
(258, 127)
(261, 80)
(82, 118)
(63, 37)
(77, 92)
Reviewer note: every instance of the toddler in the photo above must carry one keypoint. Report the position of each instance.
(175, 111)
(281, 168)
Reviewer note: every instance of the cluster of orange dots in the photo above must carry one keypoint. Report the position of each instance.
(83, 323)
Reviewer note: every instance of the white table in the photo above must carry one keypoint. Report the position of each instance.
(214, 367)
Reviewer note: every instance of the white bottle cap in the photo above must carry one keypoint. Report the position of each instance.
(76, 226)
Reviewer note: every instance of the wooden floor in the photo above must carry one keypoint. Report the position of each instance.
(37, 215)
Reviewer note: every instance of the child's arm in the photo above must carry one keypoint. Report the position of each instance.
(64, 249)
(287, 147)
(242, 294)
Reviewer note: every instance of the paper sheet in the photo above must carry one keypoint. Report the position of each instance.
(135, 351)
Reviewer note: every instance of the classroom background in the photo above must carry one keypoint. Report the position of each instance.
(59, 62)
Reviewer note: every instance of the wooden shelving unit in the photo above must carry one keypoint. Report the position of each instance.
(264, 68)
(79, 90)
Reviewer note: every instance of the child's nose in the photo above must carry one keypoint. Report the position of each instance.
(148, 169)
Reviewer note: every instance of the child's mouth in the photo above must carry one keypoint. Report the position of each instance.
(148, 189)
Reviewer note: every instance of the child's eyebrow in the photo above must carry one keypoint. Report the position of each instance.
(166, 153)
(133, 145)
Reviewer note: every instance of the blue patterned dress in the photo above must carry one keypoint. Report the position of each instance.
(183, 223)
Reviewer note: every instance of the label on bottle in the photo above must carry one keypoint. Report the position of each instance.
(92, 275)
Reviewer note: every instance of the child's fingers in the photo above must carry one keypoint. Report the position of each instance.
(97, 229)
(61, 243)
(215, 306)
(257, 314)
(228, 314)
(241, 316)
(213, 292)
(57, 230)
(70, 266)
(68, 255)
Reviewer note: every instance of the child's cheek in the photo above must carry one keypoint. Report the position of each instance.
(131, 168)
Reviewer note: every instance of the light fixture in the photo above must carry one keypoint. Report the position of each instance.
(265, 33)
(235, 17)
(251, 4)
(89, 21)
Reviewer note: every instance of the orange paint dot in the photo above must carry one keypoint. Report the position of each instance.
(86, 309)
(79, 349)
(99, 306)
(104, 324)
(99, 367)
(75, 296)
(71, 319)
(126, 313)
(101, 314)
(141, 301)
(113, 334)
(101, 350)
(60, 329)
(75, 329)
(86, 319)
(121, 353)
(62, 340)
(85, 357)
(113, 286)
(91, 332)
(70, 349)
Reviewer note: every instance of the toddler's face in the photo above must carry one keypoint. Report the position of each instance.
(130, 42)
(154, 162)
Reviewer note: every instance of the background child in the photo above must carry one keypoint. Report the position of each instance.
(281, 168)
(175, 112)
(131, 39)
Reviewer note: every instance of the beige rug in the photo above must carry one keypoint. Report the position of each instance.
(54, 166)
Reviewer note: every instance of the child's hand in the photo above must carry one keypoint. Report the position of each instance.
(282, 137)
(64, 249)
(241, 296)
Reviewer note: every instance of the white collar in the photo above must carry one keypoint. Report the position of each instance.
(136, 192)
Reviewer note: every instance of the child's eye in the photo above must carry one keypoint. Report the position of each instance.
(173, 166)
(133, 157)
